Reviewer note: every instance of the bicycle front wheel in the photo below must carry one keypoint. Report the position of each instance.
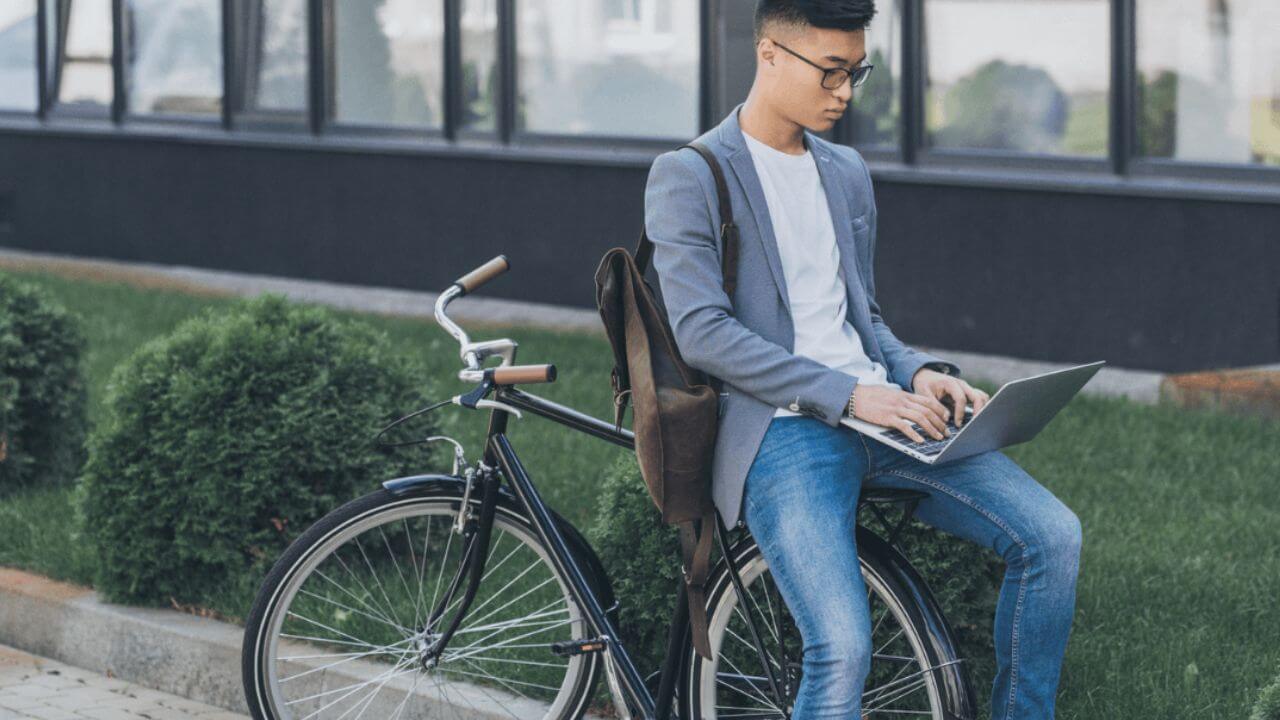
(342, 625)
(914, 671)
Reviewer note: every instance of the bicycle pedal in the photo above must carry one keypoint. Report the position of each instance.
(567, 648)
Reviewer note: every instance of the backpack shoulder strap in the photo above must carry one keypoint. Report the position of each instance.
(728, 230)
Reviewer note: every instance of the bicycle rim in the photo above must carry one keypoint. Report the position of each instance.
(346, 621)
(900, 683)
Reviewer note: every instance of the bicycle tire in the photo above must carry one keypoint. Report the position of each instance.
(907, 599)
(443, 499)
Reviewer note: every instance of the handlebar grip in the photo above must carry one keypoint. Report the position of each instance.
(483, 274)
(515, 374)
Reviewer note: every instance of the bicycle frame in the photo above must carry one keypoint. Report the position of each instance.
(499, 455)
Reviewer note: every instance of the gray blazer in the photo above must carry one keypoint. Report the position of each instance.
(749, 345)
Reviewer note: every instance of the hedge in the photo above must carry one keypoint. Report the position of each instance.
(228, 437)
(42, 388)
(1267, 706)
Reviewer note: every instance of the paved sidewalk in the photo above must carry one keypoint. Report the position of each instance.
(34, 688)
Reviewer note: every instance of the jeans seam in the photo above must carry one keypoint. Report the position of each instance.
(1022, 581)
(867, 450)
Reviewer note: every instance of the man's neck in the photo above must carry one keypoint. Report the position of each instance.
(777, 132)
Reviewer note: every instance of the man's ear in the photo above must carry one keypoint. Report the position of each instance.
(767, 50)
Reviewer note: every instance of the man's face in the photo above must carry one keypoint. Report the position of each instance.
(795, 87)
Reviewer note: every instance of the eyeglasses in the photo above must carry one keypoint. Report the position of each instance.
(833, 78)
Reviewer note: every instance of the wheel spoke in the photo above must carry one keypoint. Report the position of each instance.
(349, 644)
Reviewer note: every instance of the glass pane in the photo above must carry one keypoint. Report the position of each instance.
(1209, 80)
(1018, 75)
(276, 66)
(479, 63)
(86, 63)
(176, 61)
(389, 58)
(18, 56)
(620, 68)
(873, 111)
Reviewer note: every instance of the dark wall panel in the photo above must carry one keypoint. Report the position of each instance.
(1166, 284)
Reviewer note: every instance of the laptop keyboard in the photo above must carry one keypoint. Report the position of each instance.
(929, 446)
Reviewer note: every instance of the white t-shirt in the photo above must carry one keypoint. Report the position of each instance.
(811, 264)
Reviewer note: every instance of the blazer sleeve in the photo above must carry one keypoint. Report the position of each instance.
(902, 362)
(679, 222)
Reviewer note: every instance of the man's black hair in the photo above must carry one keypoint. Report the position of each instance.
(833, 14)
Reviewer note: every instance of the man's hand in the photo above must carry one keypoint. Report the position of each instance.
(939, 386)
(890, 406)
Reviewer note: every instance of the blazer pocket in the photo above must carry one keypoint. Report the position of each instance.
(861, 230)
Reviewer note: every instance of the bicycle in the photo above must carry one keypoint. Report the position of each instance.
(529, 638)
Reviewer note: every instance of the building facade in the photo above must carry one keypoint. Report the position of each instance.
(1064, 180)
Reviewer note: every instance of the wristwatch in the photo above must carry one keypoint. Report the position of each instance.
(848, 409)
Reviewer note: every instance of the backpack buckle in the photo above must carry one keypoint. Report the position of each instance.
(619, 409)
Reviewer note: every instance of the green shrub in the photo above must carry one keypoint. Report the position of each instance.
(42, 388)
(228, 437)
(1268, 705)
(642, 557)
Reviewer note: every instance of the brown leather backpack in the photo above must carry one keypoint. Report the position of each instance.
(675, 407)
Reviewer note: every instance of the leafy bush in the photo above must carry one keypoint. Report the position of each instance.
(1268, 705)
(42, 388)
(228, 437)
(642, 556)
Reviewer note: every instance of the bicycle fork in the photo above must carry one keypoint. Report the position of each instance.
(476, 535)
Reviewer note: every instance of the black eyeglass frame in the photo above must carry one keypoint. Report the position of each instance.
(857, 76)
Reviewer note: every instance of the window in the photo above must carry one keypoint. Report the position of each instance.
(18, 56)
(274, 48)
(631, 71)
(1209, 80)
(874, 111)
(389, 62)
(1029, 76)
(175, 58)
(479, 64)
(84, 77)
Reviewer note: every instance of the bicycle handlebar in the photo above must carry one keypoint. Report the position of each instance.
(474, 354)
(483, 274)
(511, 374)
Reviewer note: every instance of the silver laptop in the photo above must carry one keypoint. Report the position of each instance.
(1015, 414)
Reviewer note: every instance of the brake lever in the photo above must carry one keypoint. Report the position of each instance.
(499, 406)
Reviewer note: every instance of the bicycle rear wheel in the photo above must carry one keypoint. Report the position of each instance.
(342, 622)
(914, 671)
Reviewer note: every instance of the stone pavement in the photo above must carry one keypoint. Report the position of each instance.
(34, 688)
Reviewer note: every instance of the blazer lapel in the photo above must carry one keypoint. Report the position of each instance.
(740, 160)
(739, 157)
(858, 310)
(838, 202)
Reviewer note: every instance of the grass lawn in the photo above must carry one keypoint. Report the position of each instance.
(1177, 611)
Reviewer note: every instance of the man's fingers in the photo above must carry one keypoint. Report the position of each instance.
(905, 426)
(932, 403)
(979, 398)
(925, 421)
(936, 419)
(956, 391)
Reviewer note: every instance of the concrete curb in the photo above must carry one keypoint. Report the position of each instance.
(193, 657)
(177, 653)
(1142, 386)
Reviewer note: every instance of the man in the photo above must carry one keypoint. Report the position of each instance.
(803, 342)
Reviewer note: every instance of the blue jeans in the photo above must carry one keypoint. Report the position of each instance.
(800, 505)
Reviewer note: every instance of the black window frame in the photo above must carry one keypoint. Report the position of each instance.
(1122, 171)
